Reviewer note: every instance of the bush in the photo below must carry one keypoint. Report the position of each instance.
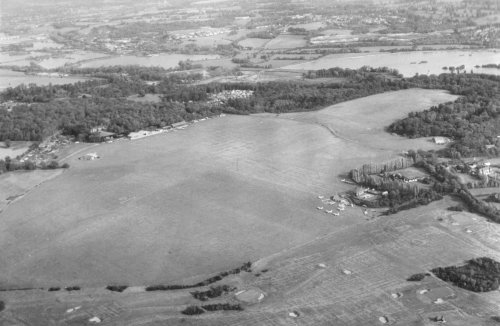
(52, 289)
(116, 288)
(53, 165)
(72, 288)
(2, 305)
(416, 277)
(222, 306)
(161, 287)
(65, 166)
(457, 208)
(192, 310)
(246, 267)
(213, 292)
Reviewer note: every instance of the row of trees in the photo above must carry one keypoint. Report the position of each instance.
(9, 165)
(213, 292)
(472, 121)
(246, 267)
(195, 310)
(374, 168)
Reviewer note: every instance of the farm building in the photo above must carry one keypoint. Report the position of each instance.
(484, 170)
(145, 133)
(441, 140)
(138, 134)
(101, 136)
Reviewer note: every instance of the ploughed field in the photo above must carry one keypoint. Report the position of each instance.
(201, 200)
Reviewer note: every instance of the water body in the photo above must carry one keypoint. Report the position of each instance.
(408, 63)
(162, 60)
(55, 61)
(9, 78)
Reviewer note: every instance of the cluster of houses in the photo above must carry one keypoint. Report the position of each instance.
(222, 97)
(45, 151)
(199, 33)
(400, 177)
(481, 168)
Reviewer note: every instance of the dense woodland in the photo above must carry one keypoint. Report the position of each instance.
(478, 275)
(472, 121)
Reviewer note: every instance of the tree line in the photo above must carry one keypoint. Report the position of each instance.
(471, 121)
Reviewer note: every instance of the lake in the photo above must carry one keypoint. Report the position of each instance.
(408, 63)
(162, 60)
(9, 78)
(55, 61)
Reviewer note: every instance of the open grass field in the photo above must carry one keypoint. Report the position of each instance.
(254, 42)
(194, 202)
(16, 148)
(244, 185)
(285, 41)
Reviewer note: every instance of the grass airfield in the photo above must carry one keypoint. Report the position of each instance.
(178, 207)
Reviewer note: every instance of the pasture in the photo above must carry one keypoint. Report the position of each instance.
(179, 206)
(199, 200)
(285, 41)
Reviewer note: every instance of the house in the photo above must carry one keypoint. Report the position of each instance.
(104, 135)
(441, 140)
(96, 129)
(98, 134)
(484, 171)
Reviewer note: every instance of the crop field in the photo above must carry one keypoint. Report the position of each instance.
(194, 202)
